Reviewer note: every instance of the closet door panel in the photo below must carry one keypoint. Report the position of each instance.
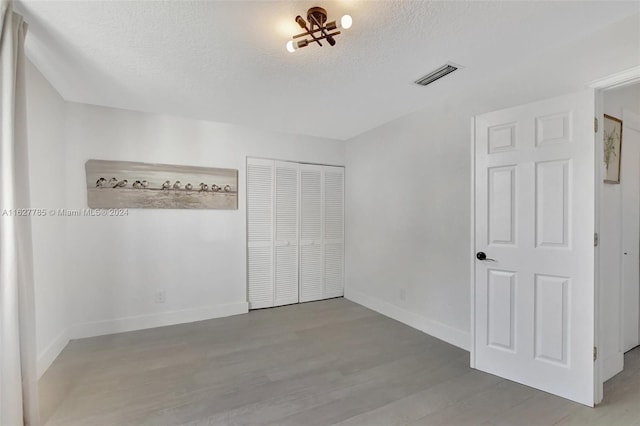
(311, 273)
(333, 231)
(295, 232)
(311, 270)
(286, 232)
(333, 270)
(286, 275)
(333, 203)
(260, 256)
(260, 276)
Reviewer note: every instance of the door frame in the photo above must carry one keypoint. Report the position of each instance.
(631, 121)
(619, 79)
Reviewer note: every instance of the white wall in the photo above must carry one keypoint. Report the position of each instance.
(47, 165)
(99, 275)
(198, 257)
(612, 208)
(407, 222)
(626, 97)
(408, 186)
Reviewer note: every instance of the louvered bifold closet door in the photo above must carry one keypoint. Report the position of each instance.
(311, 273)
(333, 232)
(260, 205)
(286, 233)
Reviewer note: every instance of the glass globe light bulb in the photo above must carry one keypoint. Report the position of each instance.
(346, 21)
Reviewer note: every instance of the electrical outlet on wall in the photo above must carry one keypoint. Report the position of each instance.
(160, 296)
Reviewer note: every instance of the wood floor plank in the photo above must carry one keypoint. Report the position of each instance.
(323, 363)
(274, 409)
(480, 407)
(418, 405)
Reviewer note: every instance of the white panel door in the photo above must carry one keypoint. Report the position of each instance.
(333, 231)
(260, 259)
(286, 233)
(534, 228)
(311, 270)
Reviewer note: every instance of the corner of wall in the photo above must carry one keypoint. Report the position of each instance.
(51, 352)
(46, 124)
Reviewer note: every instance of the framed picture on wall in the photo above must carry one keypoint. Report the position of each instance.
(612, 148)
(124, 184)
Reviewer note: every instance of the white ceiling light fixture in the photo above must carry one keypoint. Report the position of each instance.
(317, 28)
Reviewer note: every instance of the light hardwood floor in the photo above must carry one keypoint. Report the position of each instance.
(323, 363)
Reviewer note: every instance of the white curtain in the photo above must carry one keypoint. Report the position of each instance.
(18, 377)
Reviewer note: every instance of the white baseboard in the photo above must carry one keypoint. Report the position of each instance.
(51, 352)
(459, 338)
(140, 322)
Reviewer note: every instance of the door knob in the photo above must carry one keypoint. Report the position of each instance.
(482, 256)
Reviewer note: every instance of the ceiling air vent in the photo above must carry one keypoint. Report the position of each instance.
(436, 74)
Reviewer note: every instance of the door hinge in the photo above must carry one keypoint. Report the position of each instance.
(595, 354)
(596, 240)
(595, 124)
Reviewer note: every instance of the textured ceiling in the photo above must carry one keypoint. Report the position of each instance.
(226, 60)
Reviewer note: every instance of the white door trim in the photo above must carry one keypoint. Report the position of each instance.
(472, 249)
(622, 78)
(598, 393)
(616, 80)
